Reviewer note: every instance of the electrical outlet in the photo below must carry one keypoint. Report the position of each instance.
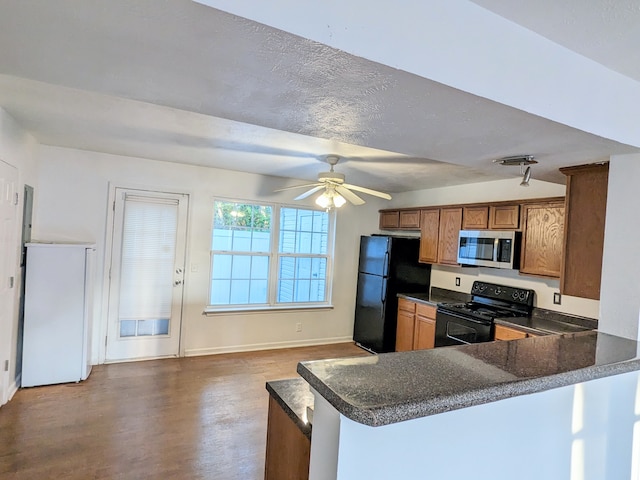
(298, 327)
(457, 281)
(557, 298)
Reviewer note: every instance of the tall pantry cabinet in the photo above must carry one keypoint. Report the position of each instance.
(57, 313)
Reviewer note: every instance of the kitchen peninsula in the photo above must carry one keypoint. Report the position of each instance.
(555, 406)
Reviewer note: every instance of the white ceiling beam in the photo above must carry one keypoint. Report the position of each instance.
(462, 45)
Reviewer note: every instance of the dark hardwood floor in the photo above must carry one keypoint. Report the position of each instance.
(186, 418)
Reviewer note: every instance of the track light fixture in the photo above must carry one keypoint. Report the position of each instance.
(522, 161)
(526, 177)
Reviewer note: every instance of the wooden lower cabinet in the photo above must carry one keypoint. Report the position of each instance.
(405, 326)
(507, 333)
(416, 327)
(425, 327)
(543, 239)
(288, 449)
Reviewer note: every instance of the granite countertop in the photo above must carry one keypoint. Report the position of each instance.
(546, 322)
(437, 295)
(294, 396)
(394, 387)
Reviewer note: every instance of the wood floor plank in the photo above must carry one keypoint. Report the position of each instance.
(192, 418)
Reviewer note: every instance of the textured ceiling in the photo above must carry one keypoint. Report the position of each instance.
(178, 81)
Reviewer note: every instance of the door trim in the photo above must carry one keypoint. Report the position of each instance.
(100, 335)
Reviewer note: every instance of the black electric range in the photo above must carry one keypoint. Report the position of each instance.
(472, 322)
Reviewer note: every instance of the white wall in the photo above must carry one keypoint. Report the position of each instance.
(501, 190)
(620, 290)
(72, 205)
(587, 431)
(18, 149)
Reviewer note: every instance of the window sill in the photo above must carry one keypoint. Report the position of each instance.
(243, 310)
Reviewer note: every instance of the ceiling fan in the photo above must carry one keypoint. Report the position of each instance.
(336, 192)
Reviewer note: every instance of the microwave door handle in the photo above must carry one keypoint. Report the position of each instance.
(496, 246)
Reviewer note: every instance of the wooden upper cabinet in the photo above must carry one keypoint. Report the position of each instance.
(586, 203)
(429, 232)
(504, 217)
(450, 225)
(542, 240)
(410, 219)
(475, 218)
(400, 219)
(389, 220)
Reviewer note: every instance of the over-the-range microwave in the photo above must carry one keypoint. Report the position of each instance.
(489, 248)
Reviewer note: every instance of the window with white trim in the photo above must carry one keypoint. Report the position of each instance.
(269, 255)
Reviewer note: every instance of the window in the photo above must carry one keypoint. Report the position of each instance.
(269, 256)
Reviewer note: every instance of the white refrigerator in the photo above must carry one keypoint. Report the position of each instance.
(57, 313)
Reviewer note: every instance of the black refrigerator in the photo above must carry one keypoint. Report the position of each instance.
(388, 266)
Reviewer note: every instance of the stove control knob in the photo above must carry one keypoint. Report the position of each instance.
(523, 295)
(515, 295)
(498, 291)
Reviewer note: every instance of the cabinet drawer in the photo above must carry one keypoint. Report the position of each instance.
(506, 333)
(428, 311)
(406, 305)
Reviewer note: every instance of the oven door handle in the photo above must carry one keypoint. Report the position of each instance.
(462, 317)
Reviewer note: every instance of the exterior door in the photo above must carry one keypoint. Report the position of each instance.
(8, 250)
(146, 275)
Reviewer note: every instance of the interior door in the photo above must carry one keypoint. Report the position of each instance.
(146, 275)
(8, 250)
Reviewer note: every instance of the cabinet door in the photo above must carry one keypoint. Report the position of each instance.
(404, 331)
(475, 218)
(542, 239)
(429, 227)
(584, 230)
(389, 220)
(410, 219)
(288, 450)
(450, 224)
(425, 333)
(505, 217)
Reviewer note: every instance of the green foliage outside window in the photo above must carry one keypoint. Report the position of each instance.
(231, 215)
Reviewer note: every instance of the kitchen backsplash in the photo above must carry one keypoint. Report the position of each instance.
(445, 277)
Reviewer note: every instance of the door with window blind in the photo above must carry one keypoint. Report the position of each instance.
(146, 275)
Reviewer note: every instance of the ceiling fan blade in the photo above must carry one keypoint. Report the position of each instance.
(368, 191)
(299, 186)
(309, 192)
(349, 195)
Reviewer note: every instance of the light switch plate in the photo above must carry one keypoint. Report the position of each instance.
(557, 298)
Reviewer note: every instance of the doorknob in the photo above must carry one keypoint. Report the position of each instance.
(177, 282)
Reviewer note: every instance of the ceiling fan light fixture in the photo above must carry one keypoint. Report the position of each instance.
(329, 199)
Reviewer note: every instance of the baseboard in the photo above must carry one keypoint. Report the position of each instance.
(265, 346)
(13, 388)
